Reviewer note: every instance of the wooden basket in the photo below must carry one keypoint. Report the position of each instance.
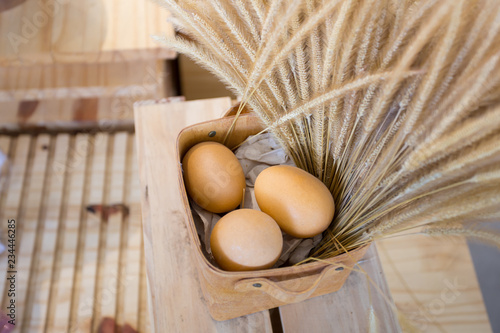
(233, 294)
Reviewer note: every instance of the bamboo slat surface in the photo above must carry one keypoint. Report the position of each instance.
(79, 235)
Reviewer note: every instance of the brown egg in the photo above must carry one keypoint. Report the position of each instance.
(299, 202)
(213, 177)
(246, 239)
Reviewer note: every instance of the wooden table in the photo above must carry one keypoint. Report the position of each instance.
(175, 295)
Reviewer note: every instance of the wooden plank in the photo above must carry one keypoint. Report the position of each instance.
(434, 283)
(81, 80)
(14, 192)
(175, 293)
(146, 319)
(6, 153)
(102, 114)
(146, 315)
(83, 302)
(88, 99)
(108, 275)
(84, 31)
(130, 263)
(347, 310)
(40, 281)
(61, 114)
(60, 298)
(29, 226)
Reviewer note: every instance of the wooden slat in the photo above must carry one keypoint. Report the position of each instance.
(80, 80)
(146, 315)
(347, 310)
(108, 274)
(59, 305)
(5, 150)
(129, 301)
(175, 293)
(82, 31)
(39, 289)
(16, 188)
(29, 226)
(99, 237)
(63, 264)
(81, 103)
(434, 284)
(68, 113)
(83, 291)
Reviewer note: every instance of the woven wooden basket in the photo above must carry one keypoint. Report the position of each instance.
(233, 294)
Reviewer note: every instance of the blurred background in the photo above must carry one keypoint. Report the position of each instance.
(70, 73)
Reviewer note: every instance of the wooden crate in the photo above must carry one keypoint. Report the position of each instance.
(177, 301)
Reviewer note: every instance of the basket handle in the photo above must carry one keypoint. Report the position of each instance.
(275, 290)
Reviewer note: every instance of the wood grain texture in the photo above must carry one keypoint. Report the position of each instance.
(131, 247)
(41, 277)
(347, 310)
(111, 233)
(12, 171)
(59, 306)
(28, 227)
(434, 284)
(175, 293)
(88, 293)
(64, 97)
(99, 114)
(80, 80)
(58, 31)
(68, 113)
(6, 154)
(49, 186)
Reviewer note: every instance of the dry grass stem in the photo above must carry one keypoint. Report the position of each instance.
(394, 105)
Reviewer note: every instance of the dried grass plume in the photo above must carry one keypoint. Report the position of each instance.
(393, 104)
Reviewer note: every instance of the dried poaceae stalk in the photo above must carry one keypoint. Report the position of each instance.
(393, 104)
